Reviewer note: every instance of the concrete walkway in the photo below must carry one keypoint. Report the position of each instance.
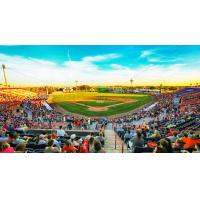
(110, 142)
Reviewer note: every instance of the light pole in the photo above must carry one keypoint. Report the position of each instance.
(76, 90)
(76, 84)
(4, 75)
(131, 81)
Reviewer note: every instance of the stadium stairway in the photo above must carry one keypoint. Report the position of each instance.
(110, 142)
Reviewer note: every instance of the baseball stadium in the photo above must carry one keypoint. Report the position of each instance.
(99, 99)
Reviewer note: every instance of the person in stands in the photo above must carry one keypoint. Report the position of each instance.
(174, 137)
(162, 147)
(68, 147)
(101, 139)
(178, 145)
(10, 127)
(137, 141)
(69, 126)
(42, 139)
(60, 132)
(5, 147)
(53, 136)
(91, 144)
(82, 148)
(21, 148)
(16, 139)
(11, 137)
(156, 135)
(2, 136)
(51, 149)
(169, 146)
(128, 135)
(73, 140)
(98, 147)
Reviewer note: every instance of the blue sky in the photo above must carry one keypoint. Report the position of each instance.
(104, 64)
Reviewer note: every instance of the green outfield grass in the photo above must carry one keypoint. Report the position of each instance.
(65, 100)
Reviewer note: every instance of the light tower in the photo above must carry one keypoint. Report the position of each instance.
(131, 81)
(76, 84)
(4, 75)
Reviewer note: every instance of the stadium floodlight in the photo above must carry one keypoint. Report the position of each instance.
(4, 75)
(76, 84)
(131, 81)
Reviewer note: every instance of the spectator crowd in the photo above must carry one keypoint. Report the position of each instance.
(161, 128)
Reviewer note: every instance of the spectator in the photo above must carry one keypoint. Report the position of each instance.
(101, 139)
(169, 146)
(174, 137)
(91, 144)
(179, 145)
(137, 141)
(156, 135)
(130, 134)
(5, 147)
(51, 149)
(21, 148)
(16, 139)
(11, 137)
(68, 147)
(54, 138)
(60, 132)
(162, 147)
(69, 126)
(2, 136)
(42, 139)
(98, 148)
(73, 140)
(82, 148)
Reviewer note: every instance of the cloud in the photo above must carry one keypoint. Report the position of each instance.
(162, 59)
(100, 58)
(154, 56)
(30, 71)
(145, 53)
(153, 60)
(117, 66)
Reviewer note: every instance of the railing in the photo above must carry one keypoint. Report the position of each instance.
(119, 143)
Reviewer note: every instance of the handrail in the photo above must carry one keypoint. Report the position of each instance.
(120, 143)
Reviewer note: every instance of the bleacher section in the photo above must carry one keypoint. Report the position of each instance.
(189, 96)
(33, 147)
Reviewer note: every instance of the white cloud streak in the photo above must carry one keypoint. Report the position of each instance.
(100, 58)
(145, 53)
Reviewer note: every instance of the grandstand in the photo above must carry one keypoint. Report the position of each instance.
(160, 117)
(189, 96)
(15, 93)
(169, 124)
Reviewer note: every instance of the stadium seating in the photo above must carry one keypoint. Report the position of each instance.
(165, 127)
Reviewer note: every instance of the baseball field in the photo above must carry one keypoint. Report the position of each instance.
(99, 104)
